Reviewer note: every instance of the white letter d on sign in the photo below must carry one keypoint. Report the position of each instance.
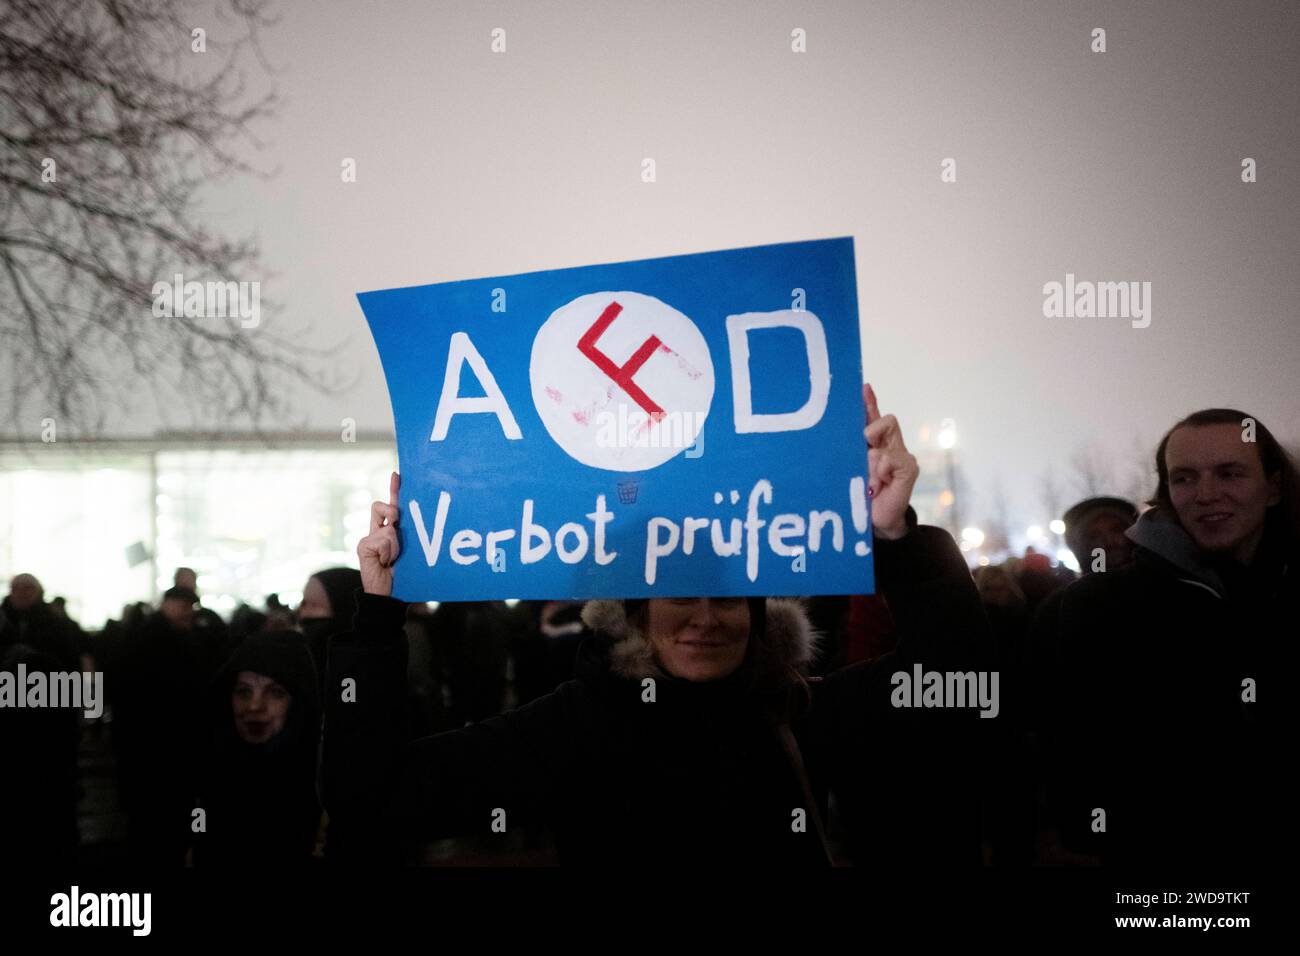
(819, 371)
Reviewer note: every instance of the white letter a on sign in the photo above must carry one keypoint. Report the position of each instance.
(452, 403)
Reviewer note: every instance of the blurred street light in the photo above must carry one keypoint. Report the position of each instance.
(947, 434)
(948, 441)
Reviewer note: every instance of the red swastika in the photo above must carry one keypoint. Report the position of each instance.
(622, 375)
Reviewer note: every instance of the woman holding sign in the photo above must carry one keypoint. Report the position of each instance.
(690, 732)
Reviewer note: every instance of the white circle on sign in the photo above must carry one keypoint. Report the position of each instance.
(621, 380)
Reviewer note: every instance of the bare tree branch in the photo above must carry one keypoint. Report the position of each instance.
(111, 124)
(1093, 471)
(1049, 493)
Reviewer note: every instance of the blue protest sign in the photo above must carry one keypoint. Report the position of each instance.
(690, 425)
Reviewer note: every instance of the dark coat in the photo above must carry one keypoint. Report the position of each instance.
(43, 631)
(703, 774)
(155, 677)
(38, 746)
(1146, 703)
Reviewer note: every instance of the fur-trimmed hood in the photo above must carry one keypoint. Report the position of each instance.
(789, 643)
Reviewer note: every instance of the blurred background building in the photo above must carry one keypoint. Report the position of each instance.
(251, 516)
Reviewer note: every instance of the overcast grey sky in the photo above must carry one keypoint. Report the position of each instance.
(1123, 165)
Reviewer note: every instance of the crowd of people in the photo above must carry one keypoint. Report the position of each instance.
(1137, 718)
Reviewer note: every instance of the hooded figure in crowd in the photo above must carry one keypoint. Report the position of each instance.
(328, 603)
(690, 733)
(1168, 712)
(257, 778)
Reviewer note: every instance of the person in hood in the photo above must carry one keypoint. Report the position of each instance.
(690, 733)
(1167, 727)
(257, 776)
(328, 603)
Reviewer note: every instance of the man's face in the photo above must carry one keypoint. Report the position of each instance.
(699, 639)
(24, 592)
(1218, 488)
(178, 612)
(186, 578)
(260, 706)
(1105, 530)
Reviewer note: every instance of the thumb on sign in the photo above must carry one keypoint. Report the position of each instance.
(378, 550)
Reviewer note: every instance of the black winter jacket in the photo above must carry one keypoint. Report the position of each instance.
(698, 776)
(1151, 716)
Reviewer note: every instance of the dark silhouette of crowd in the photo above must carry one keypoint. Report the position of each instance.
(1138, 714)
